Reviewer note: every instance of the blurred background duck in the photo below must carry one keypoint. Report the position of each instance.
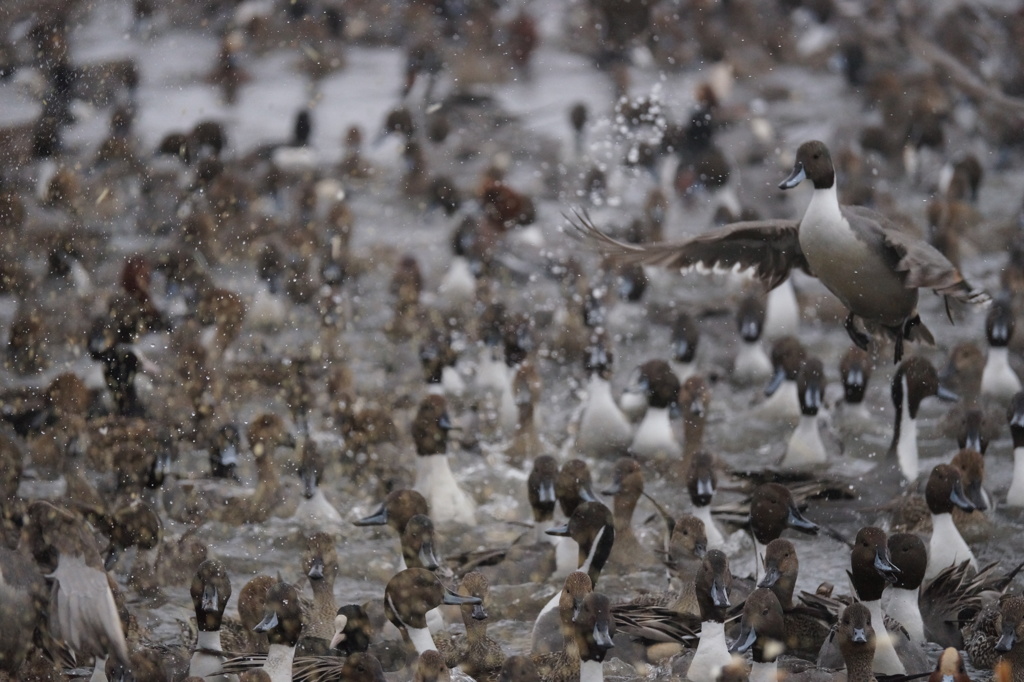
(447, 501)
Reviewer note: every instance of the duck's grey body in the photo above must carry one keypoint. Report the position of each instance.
(846, 249)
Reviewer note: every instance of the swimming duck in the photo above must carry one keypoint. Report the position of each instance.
(701, 482)
(763, 629)
(654, 441)
(908, 554)
(573, 486)
(592, 527)
(210, 591)
(240, 635)
(772, 510)
(943, 492)
(752, 364)
(83, 612)
(476, 654)
(915, 379)
(713, 582)
(593, 631)
(397, 509)
(266, 432)
(694, 401)
(805, 447)
(855, 369)
(282, 623)
(782, 401)
(628, 554)
(857, 642)
(320, 564)
(136, 524)
(973, 525)
(540, 490)
(409, 595)
(438, 359)
(603, 428)
(418, 544)
(872, 266)
(314, 507)
(805, 629)
(560, 661)
(447, 501)
(998, 379)
(871, 571)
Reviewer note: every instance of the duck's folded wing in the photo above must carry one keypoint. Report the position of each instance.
(656, 624)
(771, 248)
(86, 614)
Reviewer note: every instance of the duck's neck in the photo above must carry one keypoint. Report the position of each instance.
(279, 662)
(903, 607)
(886, 662)
(599, 395)
(1015, 496)
(324, 609)
(858, 667)
(997, 363)
(205, 663)
(655, 431)
(823, 210)
(764, 672)
(712, 653)
(906, 439)
(947, 546)
(591, 671)
(600, 548)
(624, 505)
(209, 640)
(693, 434)
(805, 447)
(715, 537)
(99, 670)
(421, 639)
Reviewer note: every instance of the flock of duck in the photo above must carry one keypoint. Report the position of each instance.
(222, 363)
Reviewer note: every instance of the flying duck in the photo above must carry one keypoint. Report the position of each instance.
(873, 267)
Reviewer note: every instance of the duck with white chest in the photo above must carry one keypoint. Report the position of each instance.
(998, 379)
(448, 502)
(655, 441)
(915, 380)
(282, 623)
(943, 492)
(712, 586)
(210, 591)
(805, 447)
(603, 428)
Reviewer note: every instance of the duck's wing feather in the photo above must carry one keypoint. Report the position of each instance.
(656, 624)
(771, 248)
(924, 265)
(86, 614)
